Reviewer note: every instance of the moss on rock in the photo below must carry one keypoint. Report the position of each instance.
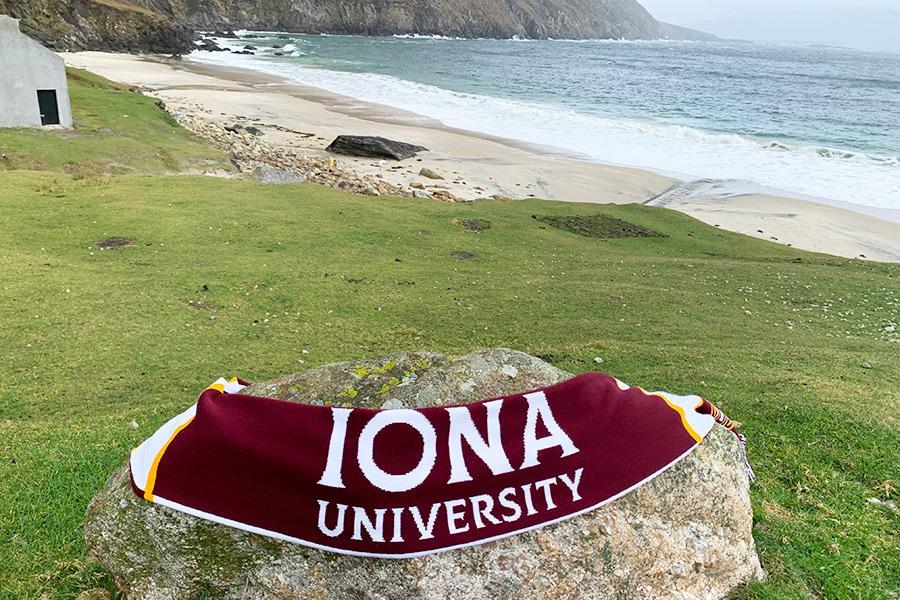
(687, 533)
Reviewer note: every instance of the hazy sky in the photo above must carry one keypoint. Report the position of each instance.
(684, 12)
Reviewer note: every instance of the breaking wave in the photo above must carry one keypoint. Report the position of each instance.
(677, 150)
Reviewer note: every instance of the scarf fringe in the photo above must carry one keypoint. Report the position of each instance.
(723, 420)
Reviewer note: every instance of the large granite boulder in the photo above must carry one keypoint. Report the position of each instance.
(686, 534)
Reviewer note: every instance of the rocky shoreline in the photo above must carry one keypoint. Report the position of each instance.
(271, 163)
(299, 123)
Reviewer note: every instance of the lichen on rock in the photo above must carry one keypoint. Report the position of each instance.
(686, 534)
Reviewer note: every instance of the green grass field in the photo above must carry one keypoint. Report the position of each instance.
(230, 277)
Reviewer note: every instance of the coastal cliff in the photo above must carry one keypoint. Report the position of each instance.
(165, 25)
(570, 19)
(108, 25)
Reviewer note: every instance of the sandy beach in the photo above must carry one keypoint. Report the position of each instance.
(474, 166)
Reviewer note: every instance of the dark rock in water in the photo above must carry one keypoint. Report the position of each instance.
(249, 47)
(277, 46)
(226, 34)
(373, 147)
(244, 52)
(279, 54)
(209, 45)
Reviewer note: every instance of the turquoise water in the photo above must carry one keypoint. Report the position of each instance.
(818, 121)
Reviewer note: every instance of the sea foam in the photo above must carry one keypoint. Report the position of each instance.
(680, 151)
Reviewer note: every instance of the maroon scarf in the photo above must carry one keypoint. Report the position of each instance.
(403, 483)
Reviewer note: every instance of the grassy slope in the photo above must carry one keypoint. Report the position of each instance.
(93, 339)
(116, 131)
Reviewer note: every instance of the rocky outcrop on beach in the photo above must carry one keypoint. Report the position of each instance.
(273, 164)
(373, 147)
(686, 534)
(105, 25)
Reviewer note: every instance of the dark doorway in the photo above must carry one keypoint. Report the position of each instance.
(49, 107)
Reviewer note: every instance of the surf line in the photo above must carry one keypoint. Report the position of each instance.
(390, 525)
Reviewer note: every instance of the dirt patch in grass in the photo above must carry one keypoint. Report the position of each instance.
(114, 242)
(89, 171)
(462, 255)
(11, 160)
(597, 226)
(476, 225)
(200, 305)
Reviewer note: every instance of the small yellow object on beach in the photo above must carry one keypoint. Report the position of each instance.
(330, 163)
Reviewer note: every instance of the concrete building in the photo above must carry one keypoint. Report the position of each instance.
(33, 88)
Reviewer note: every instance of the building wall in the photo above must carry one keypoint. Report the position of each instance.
(25, 67)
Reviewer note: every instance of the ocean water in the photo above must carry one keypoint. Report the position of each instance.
(815, 121)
